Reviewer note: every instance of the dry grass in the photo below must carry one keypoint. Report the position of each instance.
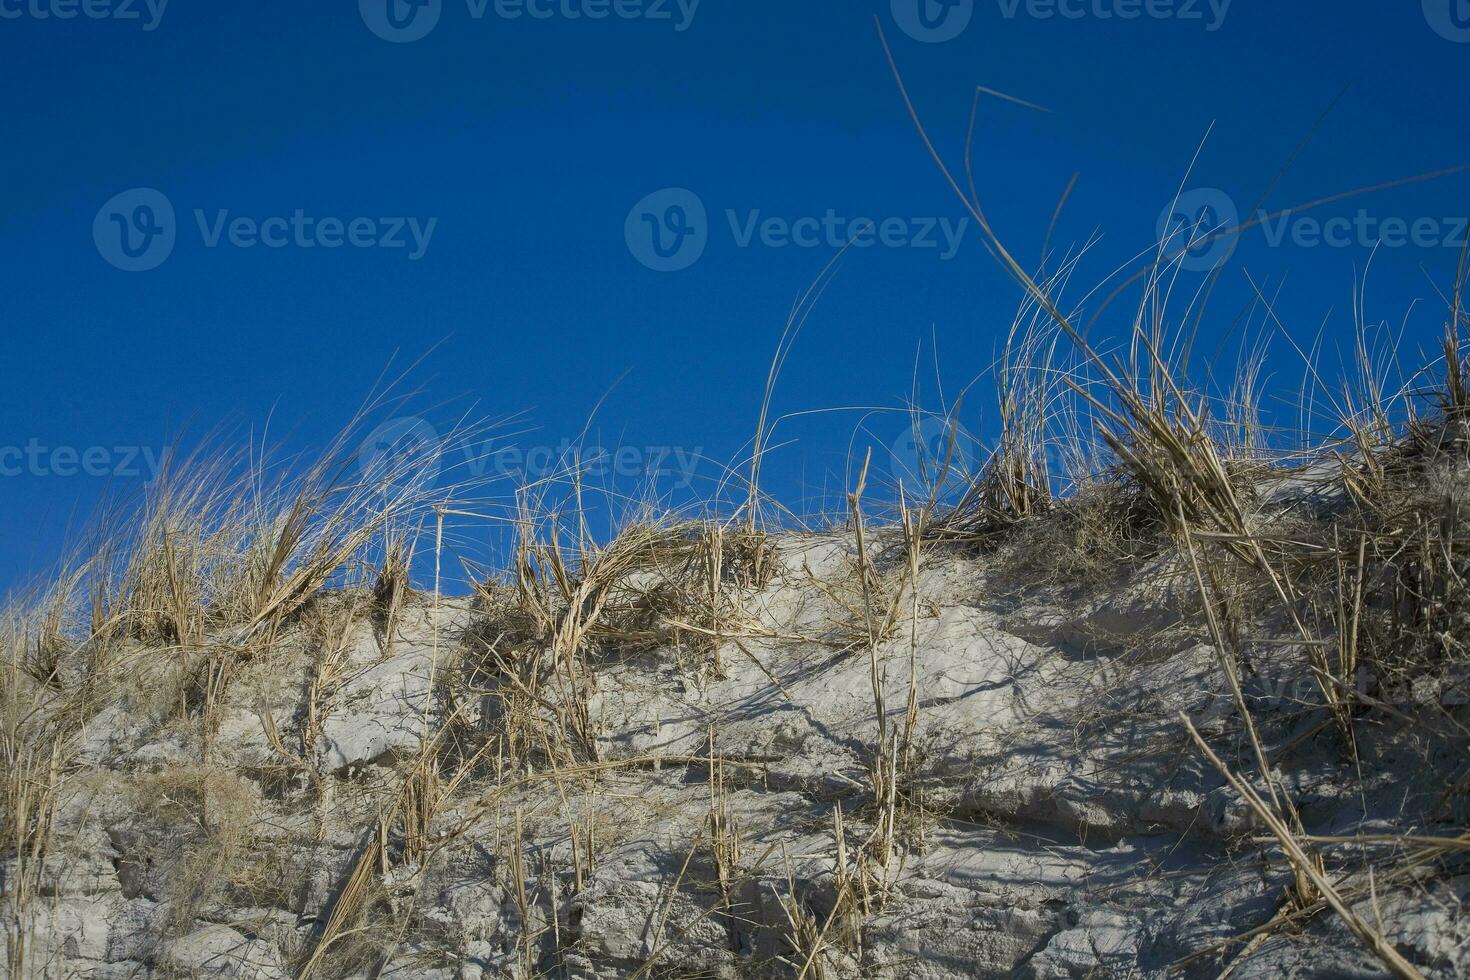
(217, 577)
(33, 765)
(392, 587)
(1380, 584)
(194, 843)
(1040, 429)
(1101, 461)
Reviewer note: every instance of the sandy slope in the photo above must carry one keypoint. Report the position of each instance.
(1057, 821)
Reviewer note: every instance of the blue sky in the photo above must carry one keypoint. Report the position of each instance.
(338, 197)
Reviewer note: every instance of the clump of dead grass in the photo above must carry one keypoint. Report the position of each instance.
(34, 760)
(196, 845)
(1196, 477)
(219, 565)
